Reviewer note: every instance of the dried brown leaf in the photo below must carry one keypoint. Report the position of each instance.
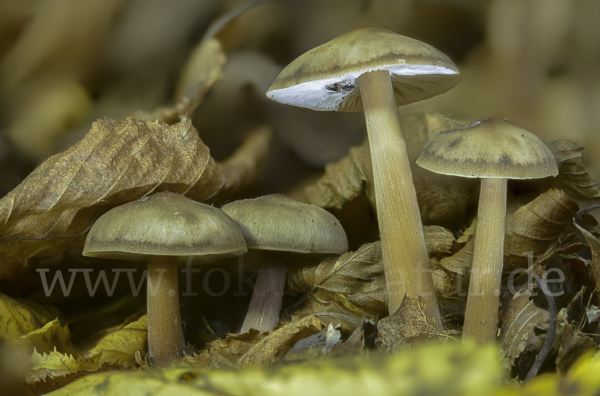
(532, 233)
(268, 350)
(243, 165)
(573, 344)
(519, 319)
(53, 208)
(441, 199)
(572, 175)
(537, 227)
(19, 317)
(407, 324)
(203, 70)
(223, 353)
(594, 266)
(354, 284)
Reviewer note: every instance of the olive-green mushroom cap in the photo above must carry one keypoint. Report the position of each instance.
(165, 224)
(489, 148)
(277, 222)
(325, 77)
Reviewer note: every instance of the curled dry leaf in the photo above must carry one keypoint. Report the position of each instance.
(53, 208)
(19, 317)
(532, 233)
(202, 71)
(223, 353)
(398, 331)
(593, 267)
(243, 165)
(442, 200)
(573, 345)
(267, 351)
(354, 284)
(519, 318)
(572, 175)
(253, 348)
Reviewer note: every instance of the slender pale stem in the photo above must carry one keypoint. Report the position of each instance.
(405, 259)
(481, 316)
(165, 336)
(265, 305)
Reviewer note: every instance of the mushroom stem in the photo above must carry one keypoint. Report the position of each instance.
(481, 316)
(165, 336)
(405, 258)
(265, 305)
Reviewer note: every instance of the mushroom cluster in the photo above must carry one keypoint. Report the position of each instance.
(374, 70)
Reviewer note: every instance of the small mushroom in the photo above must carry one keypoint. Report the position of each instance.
(375, 70)
(164, 229)
(493, 149)
(275, 224)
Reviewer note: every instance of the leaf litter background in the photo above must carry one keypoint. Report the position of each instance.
(105, 102)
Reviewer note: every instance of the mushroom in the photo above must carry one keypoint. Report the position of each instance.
(493, 149)
(375, 70)
(275, 224)
(164, 230)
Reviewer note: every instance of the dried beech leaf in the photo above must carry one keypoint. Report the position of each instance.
(572, 175)
(594, 266)
(19, 317)
(396, 332)
(122, 345)
(53, 208)
(354, 284)
(268, 350)
(53, 336)
(537, 227)
(223, 353)
(202, 71)
(573, 345)
(243, 165)
(442, 199)
(519, 319)
(344, 180)
(534, 230)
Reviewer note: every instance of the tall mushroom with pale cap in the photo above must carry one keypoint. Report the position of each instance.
(493, 149)
(164, 229)
(375, 70)
(280, 225)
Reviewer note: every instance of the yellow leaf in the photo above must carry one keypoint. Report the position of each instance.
(52, 336)
(19, 317)
(121, 346)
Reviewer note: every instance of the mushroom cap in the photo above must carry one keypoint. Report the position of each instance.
(165, 224)
(277, 222)
(489, 148)
(325, 77)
